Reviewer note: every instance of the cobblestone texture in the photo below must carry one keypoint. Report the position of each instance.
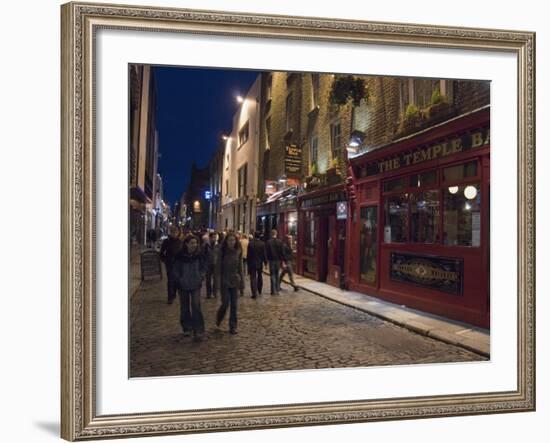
(286, 332)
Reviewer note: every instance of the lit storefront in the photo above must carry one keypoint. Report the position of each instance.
(321, 235)
(419, 226)
(279, 212)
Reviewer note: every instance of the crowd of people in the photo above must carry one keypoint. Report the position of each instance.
(220, 262)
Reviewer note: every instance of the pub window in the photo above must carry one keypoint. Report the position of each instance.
(460, 172)
(243, 135)
(462, 215)
(423, 179)
(309, 240)
(396, 208)
(396, 184)
(289, 112)
(425, 217)
(335, 139)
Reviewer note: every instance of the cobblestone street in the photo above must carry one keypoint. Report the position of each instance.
(290, 331)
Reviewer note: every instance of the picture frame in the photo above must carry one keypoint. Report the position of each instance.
(80, 24)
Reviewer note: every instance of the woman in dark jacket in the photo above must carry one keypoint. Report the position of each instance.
(189, 270)
(231, 279)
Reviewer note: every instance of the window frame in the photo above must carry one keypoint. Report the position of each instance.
(245, 129)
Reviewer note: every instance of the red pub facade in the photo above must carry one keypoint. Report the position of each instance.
(418, 225)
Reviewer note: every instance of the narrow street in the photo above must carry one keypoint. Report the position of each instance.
(295, 330)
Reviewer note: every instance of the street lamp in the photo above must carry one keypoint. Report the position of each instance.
(240, 99)
(225, 136)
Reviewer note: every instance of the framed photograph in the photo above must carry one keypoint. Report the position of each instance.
(275, 221)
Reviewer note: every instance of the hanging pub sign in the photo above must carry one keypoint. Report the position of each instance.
(439, 273)
(293, 159)
(342, 210)
(443, 148)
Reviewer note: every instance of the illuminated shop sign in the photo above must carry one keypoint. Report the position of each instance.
(293, 159)
(422, 154)
(439, 273)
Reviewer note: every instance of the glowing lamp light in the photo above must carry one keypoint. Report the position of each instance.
(225, 137)
(453, 189)
(240, 99)
(470, 192)
(467, 206)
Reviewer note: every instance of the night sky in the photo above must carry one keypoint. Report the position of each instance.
(195, 106)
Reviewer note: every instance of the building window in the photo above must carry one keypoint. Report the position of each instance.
(462, 215)
(314, 90)
(196, 206)
(227, 187)
(418, 92)
(310, 235)
(268, 133)
(335, 139)
(289, 112)
(396, 209)
(425, 217)
(242, 176)
(460, 172)
(314, 151)
(243, 135)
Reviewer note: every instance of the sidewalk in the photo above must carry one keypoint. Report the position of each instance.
(449, 331)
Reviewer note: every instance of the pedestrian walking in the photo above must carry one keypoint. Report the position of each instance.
(209, 252)
(231, 279)
(189, 270)
(170, 247)
(244, 247)
(151, 238)
(274, 250)
(256, 260)
(287, 263)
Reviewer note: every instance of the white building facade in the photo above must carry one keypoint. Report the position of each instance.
(240, 165)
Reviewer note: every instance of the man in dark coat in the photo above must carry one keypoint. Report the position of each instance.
(274, 250)
(209, 251)
(168, 251)
(256, 259)
(287, 263)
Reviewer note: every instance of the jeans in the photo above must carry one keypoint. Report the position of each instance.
(274, 267)
(256, 281)
(191, 318)
(211, 286)
(230, 296)
(288, 270)
(172, 283)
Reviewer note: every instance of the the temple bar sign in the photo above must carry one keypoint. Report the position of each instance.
(448, 147)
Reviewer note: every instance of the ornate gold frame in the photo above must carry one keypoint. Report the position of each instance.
(80, 21)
